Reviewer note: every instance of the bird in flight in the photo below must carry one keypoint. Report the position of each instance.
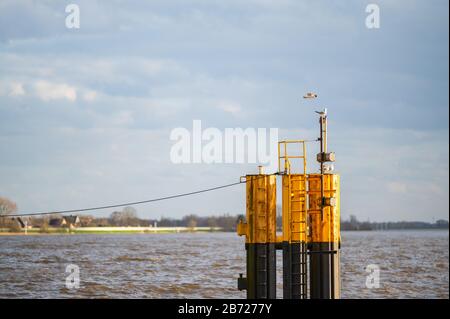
(310, 95)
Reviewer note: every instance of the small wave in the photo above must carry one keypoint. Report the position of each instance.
(51, 260)
(137, 259)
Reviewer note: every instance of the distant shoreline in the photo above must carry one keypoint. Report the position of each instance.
(157, 230)
(111, 230)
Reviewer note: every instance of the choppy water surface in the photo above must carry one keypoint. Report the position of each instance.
(413, 264)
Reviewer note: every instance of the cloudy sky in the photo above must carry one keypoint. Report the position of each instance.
(86, 114)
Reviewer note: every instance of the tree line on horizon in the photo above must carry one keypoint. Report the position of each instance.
(354, 224)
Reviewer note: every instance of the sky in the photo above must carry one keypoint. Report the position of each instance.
(86, 113)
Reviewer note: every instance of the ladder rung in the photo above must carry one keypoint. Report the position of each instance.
(291, 156)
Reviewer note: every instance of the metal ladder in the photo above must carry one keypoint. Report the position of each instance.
(298, 213)
(262, 259)
(298, 209)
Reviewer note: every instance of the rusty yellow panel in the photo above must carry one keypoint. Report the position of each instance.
(249, 209)
(272, 208)
(261, 208)
(242, 229)
(294, 208)
(314, 207)
(286, 216)
(324, 228)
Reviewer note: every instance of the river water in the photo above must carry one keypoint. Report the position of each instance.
(412, 264)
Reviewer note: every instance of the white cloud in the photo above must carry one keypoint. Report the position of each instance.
(397, 187)
(8, 88)
(47, 91)
(90, 96)
(122, 118)
(16, 89)
(230, 107)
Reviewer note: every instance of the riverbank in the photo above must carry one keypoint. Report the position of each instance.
(110, 230)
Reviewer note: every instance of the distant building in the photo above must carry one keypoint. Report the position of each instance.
(56, 222)
(85, 221)
(72, 221)
(23, 223)
(65, 221)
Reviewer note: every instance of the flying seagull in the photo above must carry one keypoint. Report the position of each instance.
(310, 95)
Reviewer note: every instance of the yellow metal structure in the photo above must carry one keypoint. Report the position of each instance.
(294, 208)
(310, 238)
(302, 200)
(324, 228)
(284, 163)
(260, 237)
(260, 226)
(294, 192)
(324, 238)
